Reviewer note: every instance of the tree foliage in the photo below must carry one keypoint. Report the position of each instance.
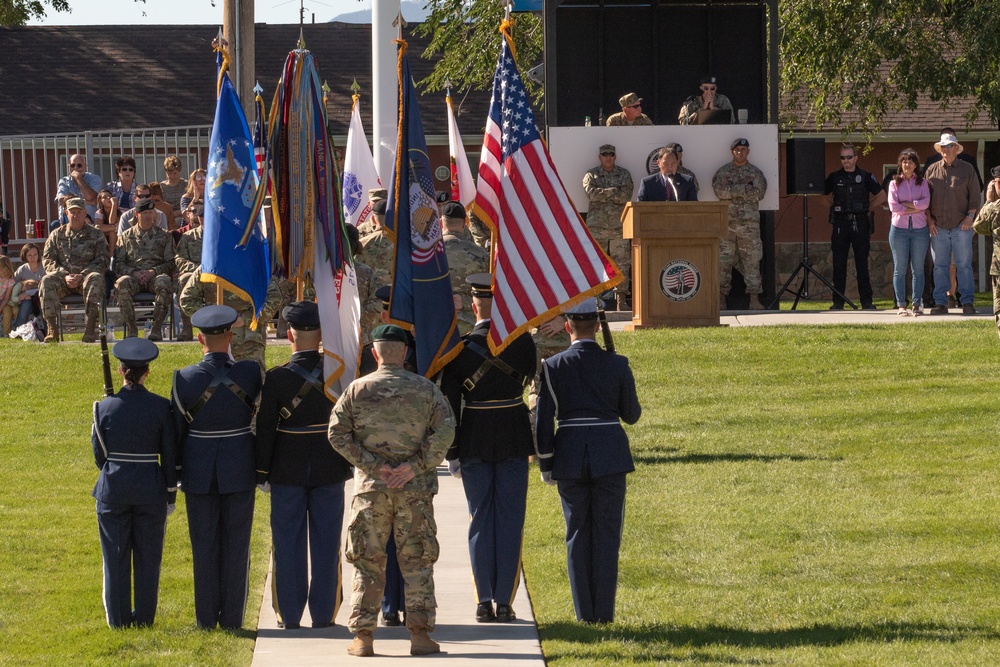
(851, 63)
(19, 12)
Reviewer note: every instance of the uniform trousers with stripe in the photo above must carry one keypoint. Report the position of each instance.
(131, 543)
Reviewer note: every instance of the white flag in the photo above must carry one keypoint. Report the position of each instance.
(359, 172)
(340, 319)
(463, 187)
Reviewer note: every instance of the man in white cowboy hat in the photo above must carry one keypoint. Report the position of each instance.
(955, 194)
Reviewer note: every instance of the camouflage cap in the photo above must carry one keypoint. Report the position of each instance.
(377, 193)
(606, 149)
(629, 99)
(75, 202)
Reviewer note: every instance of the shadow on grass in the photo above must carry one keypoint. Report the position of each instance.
(726, 457)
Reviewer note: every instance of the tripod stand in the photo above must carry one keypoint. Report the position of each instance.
(803, 291)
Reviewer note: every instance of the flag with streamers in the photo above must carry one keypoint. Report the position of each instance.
(359, 171)
(235, 251)
(421, 286)
(463, 185)
(546, 258)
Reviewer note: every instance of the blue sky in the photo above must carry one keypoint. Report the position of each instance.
(160, 12)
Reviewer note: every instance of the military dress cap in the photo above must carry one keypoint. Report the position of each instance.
(441, 196)
(378, 206)
(948, 140)
(996, 172)
(585, 310)
(481, 284)
(676, 146)
(302, 315)
(739, 142)
(377, 193)
(389, 332)
(135, 351)
(607, 149)
(708, 78)
(629, 99)
(144, 205)
(453, 210)
(75, 202)
(214, 319)
(384, 293)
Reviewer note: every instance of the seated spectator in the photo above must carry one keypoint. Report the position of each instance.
(144, 262)
(7, 308)
(127, 220)
(28, 276)
(156, 194)
(194, 214)
(188, 258)
(173, 187)
(709, 99)
(123, 189)
(107, 217)
(195, 188)
(631, 113)
(79, 183)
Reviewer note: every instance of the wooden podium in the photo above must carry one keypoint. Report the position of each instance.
(675, 262)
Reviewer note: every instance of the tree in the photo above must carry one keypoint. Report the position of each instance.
(19, 12)
(876, 57)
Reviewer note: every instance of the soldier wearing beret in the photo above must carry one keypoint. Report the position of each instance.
(304, 476)
(465, 258)
(214, 405)
(608, 188)
(394, 426)
(586, 393)
(490, 452)
(631, 113)
(144, 262)
(708, 98)
(135, 449)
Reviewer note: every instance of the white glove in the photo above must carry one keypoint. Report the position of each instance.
(170, 508)
(265, 487)
(455, 468)
(547, 478)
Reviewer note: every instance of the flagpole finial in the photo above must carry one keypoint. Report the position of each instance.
(302, 39)
(508, 6)
(257, 89)
(355, 87)
(447, 86)
(399, 23)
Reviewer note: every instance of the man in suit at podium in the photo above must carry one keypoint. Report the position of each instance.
(667, 185)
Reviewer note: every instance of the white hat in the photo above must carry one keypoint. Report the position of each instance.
(947, 140)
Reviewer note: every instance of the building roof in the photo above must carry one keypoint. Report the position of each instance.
(58, 79)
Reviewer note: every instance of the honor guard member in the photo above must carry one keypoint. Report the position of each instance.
(582, 448)
(134, 447)
(395, 427)
(304, 475)
(854, 191)
(214, 405)
(490, 452)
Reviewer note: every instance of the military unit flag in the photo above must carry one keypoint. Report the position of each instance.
(360, 175)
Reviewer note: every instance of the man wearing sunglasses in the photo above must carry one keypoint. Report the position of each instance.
(708, 99)
(631, 113)
(80, 183)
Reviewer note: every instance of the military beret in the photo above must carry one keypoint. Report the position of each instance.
(708, 78)
(739, 142)
(144, 205)
(629, 99)
(214, 319)
(377, 193)
(607, 148)
(453, 210)
(302, 315)
(389, 332)
(996, 172)
(384, 293)
(676, 146)
(481, 284)
(135, 351)
(585, 310)
(378, 206)
(442, 196)
(75, 202)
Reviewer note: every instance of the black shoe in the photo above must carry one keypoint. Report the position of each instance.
(484, 613)
(837, 306)
(318, 626)
(505, 614)
(391, 620)
(869, 306)
(968, 309)
(938, 309)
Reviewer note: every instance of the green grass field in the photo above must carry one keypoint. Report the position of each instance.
(803, 496)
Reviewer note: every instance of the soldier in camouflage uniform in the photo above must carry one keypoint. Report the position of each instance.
(465, 258)
(550, 339)
(144, 262)
(247, 343)
(187, 262)
(707, 98)
(631, 113)
(480, 232)
(370, 225)
(742, 185)
(681, 169)
(380, 250)
(988, 224)
(395, 427)
(609, 187)
(75, 258)
(368, 284)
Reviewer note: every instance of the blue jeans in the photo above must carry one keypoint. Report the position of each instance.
(947, 244)
(24, 313)
(909, 248)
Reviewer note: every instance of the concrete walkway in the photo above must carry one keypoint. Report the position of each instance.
(463, 641)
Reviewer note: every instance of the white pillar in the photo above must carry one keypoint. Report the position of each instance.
(384, 86)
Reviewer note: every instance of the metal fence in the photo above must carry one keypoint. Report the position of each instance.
(31, 165)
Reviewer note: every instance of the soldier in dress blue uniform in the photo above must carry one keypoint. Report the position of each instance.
(582, 447)
(490, 453)
(304, 475)
(214, 405)
(134, 447)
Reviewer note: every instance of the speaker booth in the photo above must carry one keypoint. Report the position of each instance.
(805, 163)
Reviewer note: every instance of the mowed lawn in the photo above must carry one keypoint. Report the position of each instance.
(803, 496)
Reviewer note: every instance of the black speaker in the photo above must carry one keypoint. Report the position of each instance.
(805, 163)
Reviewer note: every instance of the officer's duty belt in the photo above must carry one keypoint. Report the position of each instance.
(231, 433)
(299, 430)
(129, 457)
(587, 421)
(494, 405)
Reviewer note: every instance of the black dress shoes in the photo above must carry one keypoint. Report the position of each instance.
(505, 613)
(391, 620)
(484, 613)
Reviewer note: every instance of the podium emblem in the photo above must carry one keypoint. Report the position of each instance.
(680, 280)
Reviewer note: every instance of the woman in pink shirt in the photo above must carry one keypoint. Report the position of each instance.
(909, 238)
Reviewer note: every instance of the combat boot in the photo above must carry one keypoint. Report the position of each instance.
(130, 330)
(363, 645)
(186, 333)
(722, 302)
(156, 328)
(90, 330)
(622, 302)
(421, 644)
(756, 303)
(53, 327)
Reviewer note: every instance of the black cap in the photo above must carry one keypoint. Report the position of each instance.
(378, 206)
(481, 284)
(453, 210)
(739, 142)
(708, 78)
(214, 319)
(389, 332)
(135, 351)
(996, 172)
(302, 315)
(384, 293)
(442, 196)
(676, 146)
(144, 205)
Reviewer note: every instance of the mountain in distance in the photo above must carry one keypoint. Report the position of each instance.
(413, 12)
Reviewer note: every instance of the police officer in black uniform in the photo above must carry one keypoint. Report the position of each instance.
(214, 404)
(134, 447)
(490, 453)
(304, 474)
(854, 191)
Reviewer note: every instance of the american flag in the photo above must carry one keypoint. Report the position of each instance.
(545, 256)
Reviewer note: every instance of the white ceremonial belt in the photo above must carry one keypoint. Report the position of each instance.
(299, 430)
(587, 421)
(231, 433)
(127, 457)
